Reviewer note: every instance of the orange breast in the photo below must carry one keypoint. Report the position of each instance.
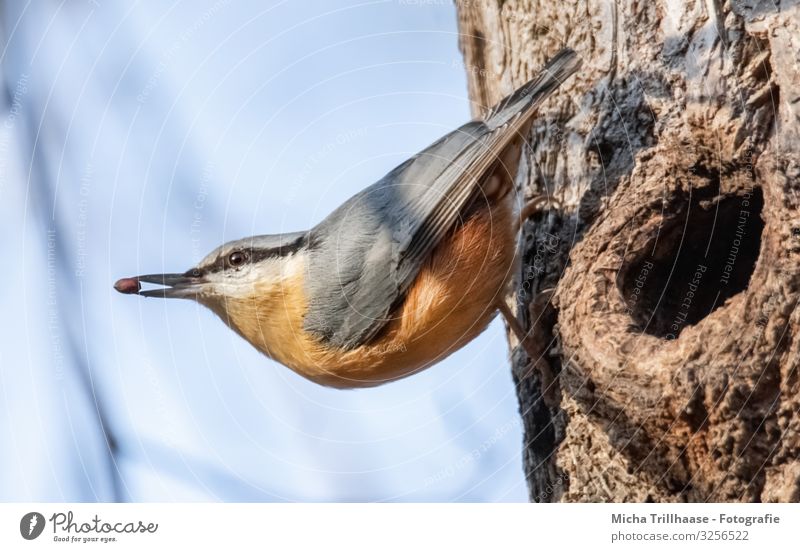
(452, 301)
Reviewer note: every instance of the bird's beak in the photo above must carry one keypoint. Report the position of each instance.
(186, 286)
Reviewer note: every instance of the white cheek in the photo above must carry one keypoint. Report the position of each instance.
(238, 284)
(245, 282)
(292, 267)
(234, 288)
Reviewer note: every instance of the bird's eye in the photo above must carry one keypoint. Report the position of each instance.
(237, 258)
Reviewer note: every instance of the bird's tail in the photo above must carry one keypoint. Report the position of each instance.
(525, 99)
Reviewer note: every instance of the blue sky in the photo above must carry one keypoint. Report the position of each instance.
(138, 136)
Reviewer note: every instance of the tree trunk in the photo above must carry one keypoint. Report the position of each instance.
(670, 342)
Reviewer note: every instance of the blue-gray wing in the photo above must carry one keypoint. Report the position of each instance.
(366, 254)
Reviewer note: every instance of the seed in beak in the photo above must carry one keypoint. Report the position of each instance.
(128, 285)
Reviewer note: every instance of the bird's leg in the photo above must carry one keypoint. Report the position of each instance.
(516, 327)
(534, 349)
(535, 205)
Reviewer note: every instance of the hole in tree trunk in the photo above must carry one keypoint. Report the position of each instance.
(699, 260)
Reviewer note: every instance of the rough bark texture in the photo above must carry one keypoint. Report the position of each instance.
(672, 340)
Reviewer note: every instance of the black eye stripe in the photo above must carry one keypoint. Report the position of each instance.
(255, 254)
(260, 253)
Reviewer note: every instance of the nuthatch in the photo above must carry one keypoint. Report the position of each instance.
(399, 276)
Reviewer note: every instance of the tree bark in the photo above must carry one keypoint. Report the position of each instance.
(661, 289)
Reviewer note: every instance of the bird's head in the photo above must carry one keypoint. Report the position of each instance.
(235, 270)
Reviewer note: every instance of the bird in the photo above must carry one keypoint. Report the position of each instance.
(398, 277)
